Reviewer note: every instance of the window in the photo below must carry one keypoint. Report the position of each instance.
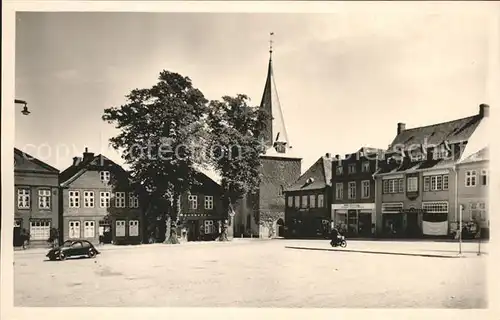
(290, 202)
(352, 168)
(193, 201)
(365, 192)
(339, 191)
(74, 229)
(440, 153)
(105, 176)
(484, 177)
(44, 197)
(74, 199)
(23, 198)
(412, 184)
(209, 202)
(133, 200)
(393, 186)
(339, 170)
(445, 182)
(470, 178)
(427, 183)
(435, 206)
(321, 201)
(120, 200)
(88, 199)
(392, 207)
(39, 230)
(304, 202)
(366, 166)
(88, 229)
(312, 201)
(120, 228)
(478, 211)
(133, 228)
(351, 192)
(297, 201)
(436, 183)
(104, 199)
(209, 227)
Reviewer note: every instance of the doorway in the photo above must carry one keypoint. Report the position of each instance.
(280, 225)
(412, 227)
(365, 224)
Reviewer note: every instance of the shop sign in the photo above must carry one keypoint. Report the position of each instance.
(353, 206)
(412, 210)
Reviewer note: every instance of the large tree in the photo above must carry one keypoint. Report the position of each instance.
(159, 129)
(235, 131)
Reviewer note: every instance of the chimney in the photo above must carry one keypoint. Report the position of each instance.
(87, 156)
(484, 110)
(401, 127)
(76, 161)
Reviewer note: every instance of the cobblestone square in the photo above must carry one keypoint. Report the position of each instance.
(255, 274)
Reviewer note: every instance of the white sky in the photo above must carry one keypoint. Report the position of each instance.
(344, 79)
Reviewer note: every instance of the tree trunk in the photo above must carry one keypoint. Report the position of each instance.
(224, 226)
(174, 214)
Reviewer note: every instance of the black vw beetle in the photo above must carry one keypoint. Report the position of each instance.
(73, 248)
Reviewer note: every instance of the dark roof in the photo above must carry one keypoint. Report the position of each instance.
(74, 171)
(35, 160)
(452, 131)
(318, 176)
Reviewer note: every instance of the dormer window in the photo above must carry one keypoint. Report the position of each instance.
(352, 168)
(340, 170)
(366, 166)
(105, 176)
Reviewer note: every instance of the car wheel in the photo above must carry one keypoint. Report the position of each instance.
(62, 256)
(92, 253)
(343, 244)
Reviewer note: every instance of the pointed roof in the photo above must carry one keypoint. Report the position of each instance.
(318, 176)
(481, 155)
(276, 129)
(73, 172)
(20, 155)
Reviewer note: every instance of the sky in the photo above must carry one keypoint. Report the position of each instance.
(344, 79)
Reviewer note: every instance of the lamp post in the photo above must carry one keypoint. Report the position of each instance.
(461, 209)
(25, 110)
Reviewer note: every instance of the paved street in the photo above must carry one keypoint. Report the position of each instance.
(256, 274)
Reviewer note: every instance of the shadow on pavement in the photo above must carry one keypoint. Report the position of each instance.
(380, 252)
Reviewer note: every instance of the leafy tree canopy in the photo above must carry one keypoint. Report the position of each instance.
(159, 131)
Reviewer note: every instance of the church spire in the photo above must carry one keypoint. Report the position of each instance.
(275, 135)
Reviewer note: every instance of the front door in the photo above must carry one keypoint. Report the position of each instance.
(365, 224)
(412, 228)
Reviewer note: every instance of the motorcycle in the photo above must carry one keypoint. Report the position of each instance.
(340, 242)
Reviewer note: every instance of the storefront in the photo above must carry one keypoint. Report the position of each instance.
(354, 219)
(392, 219)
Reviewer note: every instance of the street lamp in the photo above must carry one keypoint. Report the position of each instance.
(25, 107)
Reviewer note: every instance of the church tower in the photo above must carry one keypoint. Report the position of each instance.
(280, 168)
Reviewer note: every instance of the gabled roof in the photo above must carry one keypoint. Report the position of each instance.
(24, 155)
(318, 176)
(73, 172)
(210, 172)
(481, 155)
(452, 131)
